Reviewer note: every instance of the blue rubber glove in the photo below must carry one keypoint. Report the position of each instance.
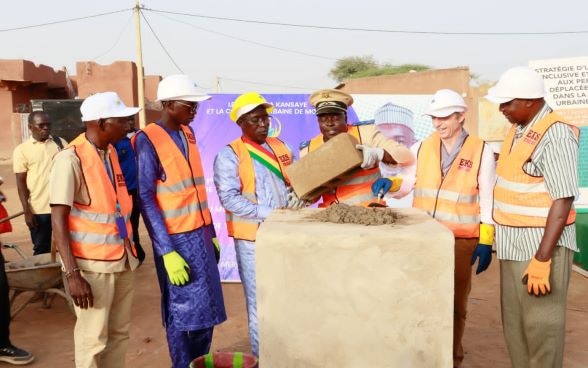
(381, 186)
(484, 254)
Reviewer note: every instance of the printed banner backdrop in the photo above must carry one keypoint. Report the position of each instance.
(566, 83)
(294, 122)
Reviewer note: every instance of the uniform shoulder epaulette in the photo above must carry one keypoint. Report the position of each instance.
(363, 122)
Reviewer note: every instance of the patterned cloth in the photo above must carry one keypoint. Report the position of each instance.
(199, 304)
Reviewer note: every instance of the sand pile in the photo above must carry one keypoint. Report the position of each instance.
(345, 214)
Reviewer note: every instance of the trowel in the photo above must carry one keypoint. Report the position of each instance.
(380, 201)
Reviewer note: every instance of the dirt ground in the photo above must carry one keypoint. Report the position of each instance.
(48, 333)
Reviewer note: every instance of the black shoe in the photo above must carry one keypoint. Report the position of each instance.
(13, 355)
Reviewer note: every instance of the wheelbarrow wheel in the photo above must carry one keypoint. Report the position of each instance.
(68, 301)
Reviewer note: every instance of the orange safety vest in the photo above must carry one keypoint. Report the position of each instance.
(93, 231)
(454, 199)
(181, 195)
(357, 189)
(246, 228)
(522, 200)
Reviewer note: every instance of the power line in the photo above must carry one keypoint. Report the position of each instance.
(369, 29)
(63, 21)
(265, 84)
(161, 44)
(248, 41)
(122, 31)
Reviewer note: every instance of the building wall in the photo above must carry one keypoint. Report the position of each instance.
(21, 81)
(152, 112)
(120, 76)
(425, 82)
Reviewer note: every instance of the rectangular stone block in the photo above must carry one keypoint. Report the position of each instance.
(348, 295)
(324, 169)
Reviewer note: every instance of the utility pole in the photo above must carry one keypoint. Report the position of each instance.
(140, 76)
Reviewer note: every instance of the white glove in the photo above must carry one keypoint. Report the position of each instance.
(293, 201)
(371, 156)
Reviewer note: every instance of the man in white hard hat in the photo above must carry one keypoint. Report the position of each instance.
(251, 181)
(453, 179)
(537, 180)
(174, 206)
(90, 212)
(396, 122)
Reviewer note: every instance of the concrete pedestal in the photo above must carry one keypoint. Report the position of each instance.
(347, 295)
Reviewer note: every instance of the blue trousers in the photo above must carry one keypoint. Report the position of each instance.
(245, 251)
(185, 346)
(41, 234)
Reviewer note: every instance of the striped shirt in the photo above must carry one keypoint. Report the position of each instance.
(555, 159)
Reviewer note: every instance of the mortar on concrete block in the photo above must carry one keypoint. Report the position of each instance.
(325, 168)
(350, 295)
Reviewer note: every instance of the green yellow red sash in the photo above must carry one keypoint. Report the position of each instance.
(264, 156)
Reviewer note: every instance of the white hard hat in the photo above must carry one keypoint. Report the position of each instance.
(180, 87)
(517, 82)
(445, 102)
(105, 105)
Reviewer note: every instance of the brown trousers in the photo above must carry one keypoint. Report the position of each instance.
(534, 327)
(464, 248)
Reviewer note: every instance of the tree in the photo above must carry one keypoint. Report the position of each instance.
(366, 66)
(347, 67)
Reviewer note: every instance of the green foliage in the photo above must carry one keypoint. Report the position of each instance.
(366, 66)
(347, 67)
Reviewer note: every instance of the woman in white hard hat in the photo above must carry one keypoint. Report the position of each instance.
(453, 180)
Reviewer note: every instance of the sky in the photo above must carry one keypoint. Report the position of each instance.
(245, 56)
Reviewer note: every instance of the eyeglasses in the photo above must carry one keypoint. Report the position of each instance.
(260, 120)
(325, 118)
(190, 107)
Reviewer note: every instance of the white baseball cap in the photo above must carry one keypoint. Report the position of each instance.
(445, 102)
(390, 113)
(105, 105)
(180, 87)
(517, 82)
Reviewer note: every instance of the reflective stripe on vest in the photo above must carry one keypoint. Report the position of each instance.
(93, 231)
(182, 195)
(356, 190)
(522, 200)
(241, 227)
(454, 199)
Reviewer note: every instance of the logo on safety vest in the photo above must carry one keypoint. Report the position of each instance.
(120, 180)
(532, 137)
(465, 164)
(285, 159)
(190, 138)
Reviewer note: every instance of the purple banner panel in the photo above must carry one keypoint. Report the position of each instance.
(294, 122)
